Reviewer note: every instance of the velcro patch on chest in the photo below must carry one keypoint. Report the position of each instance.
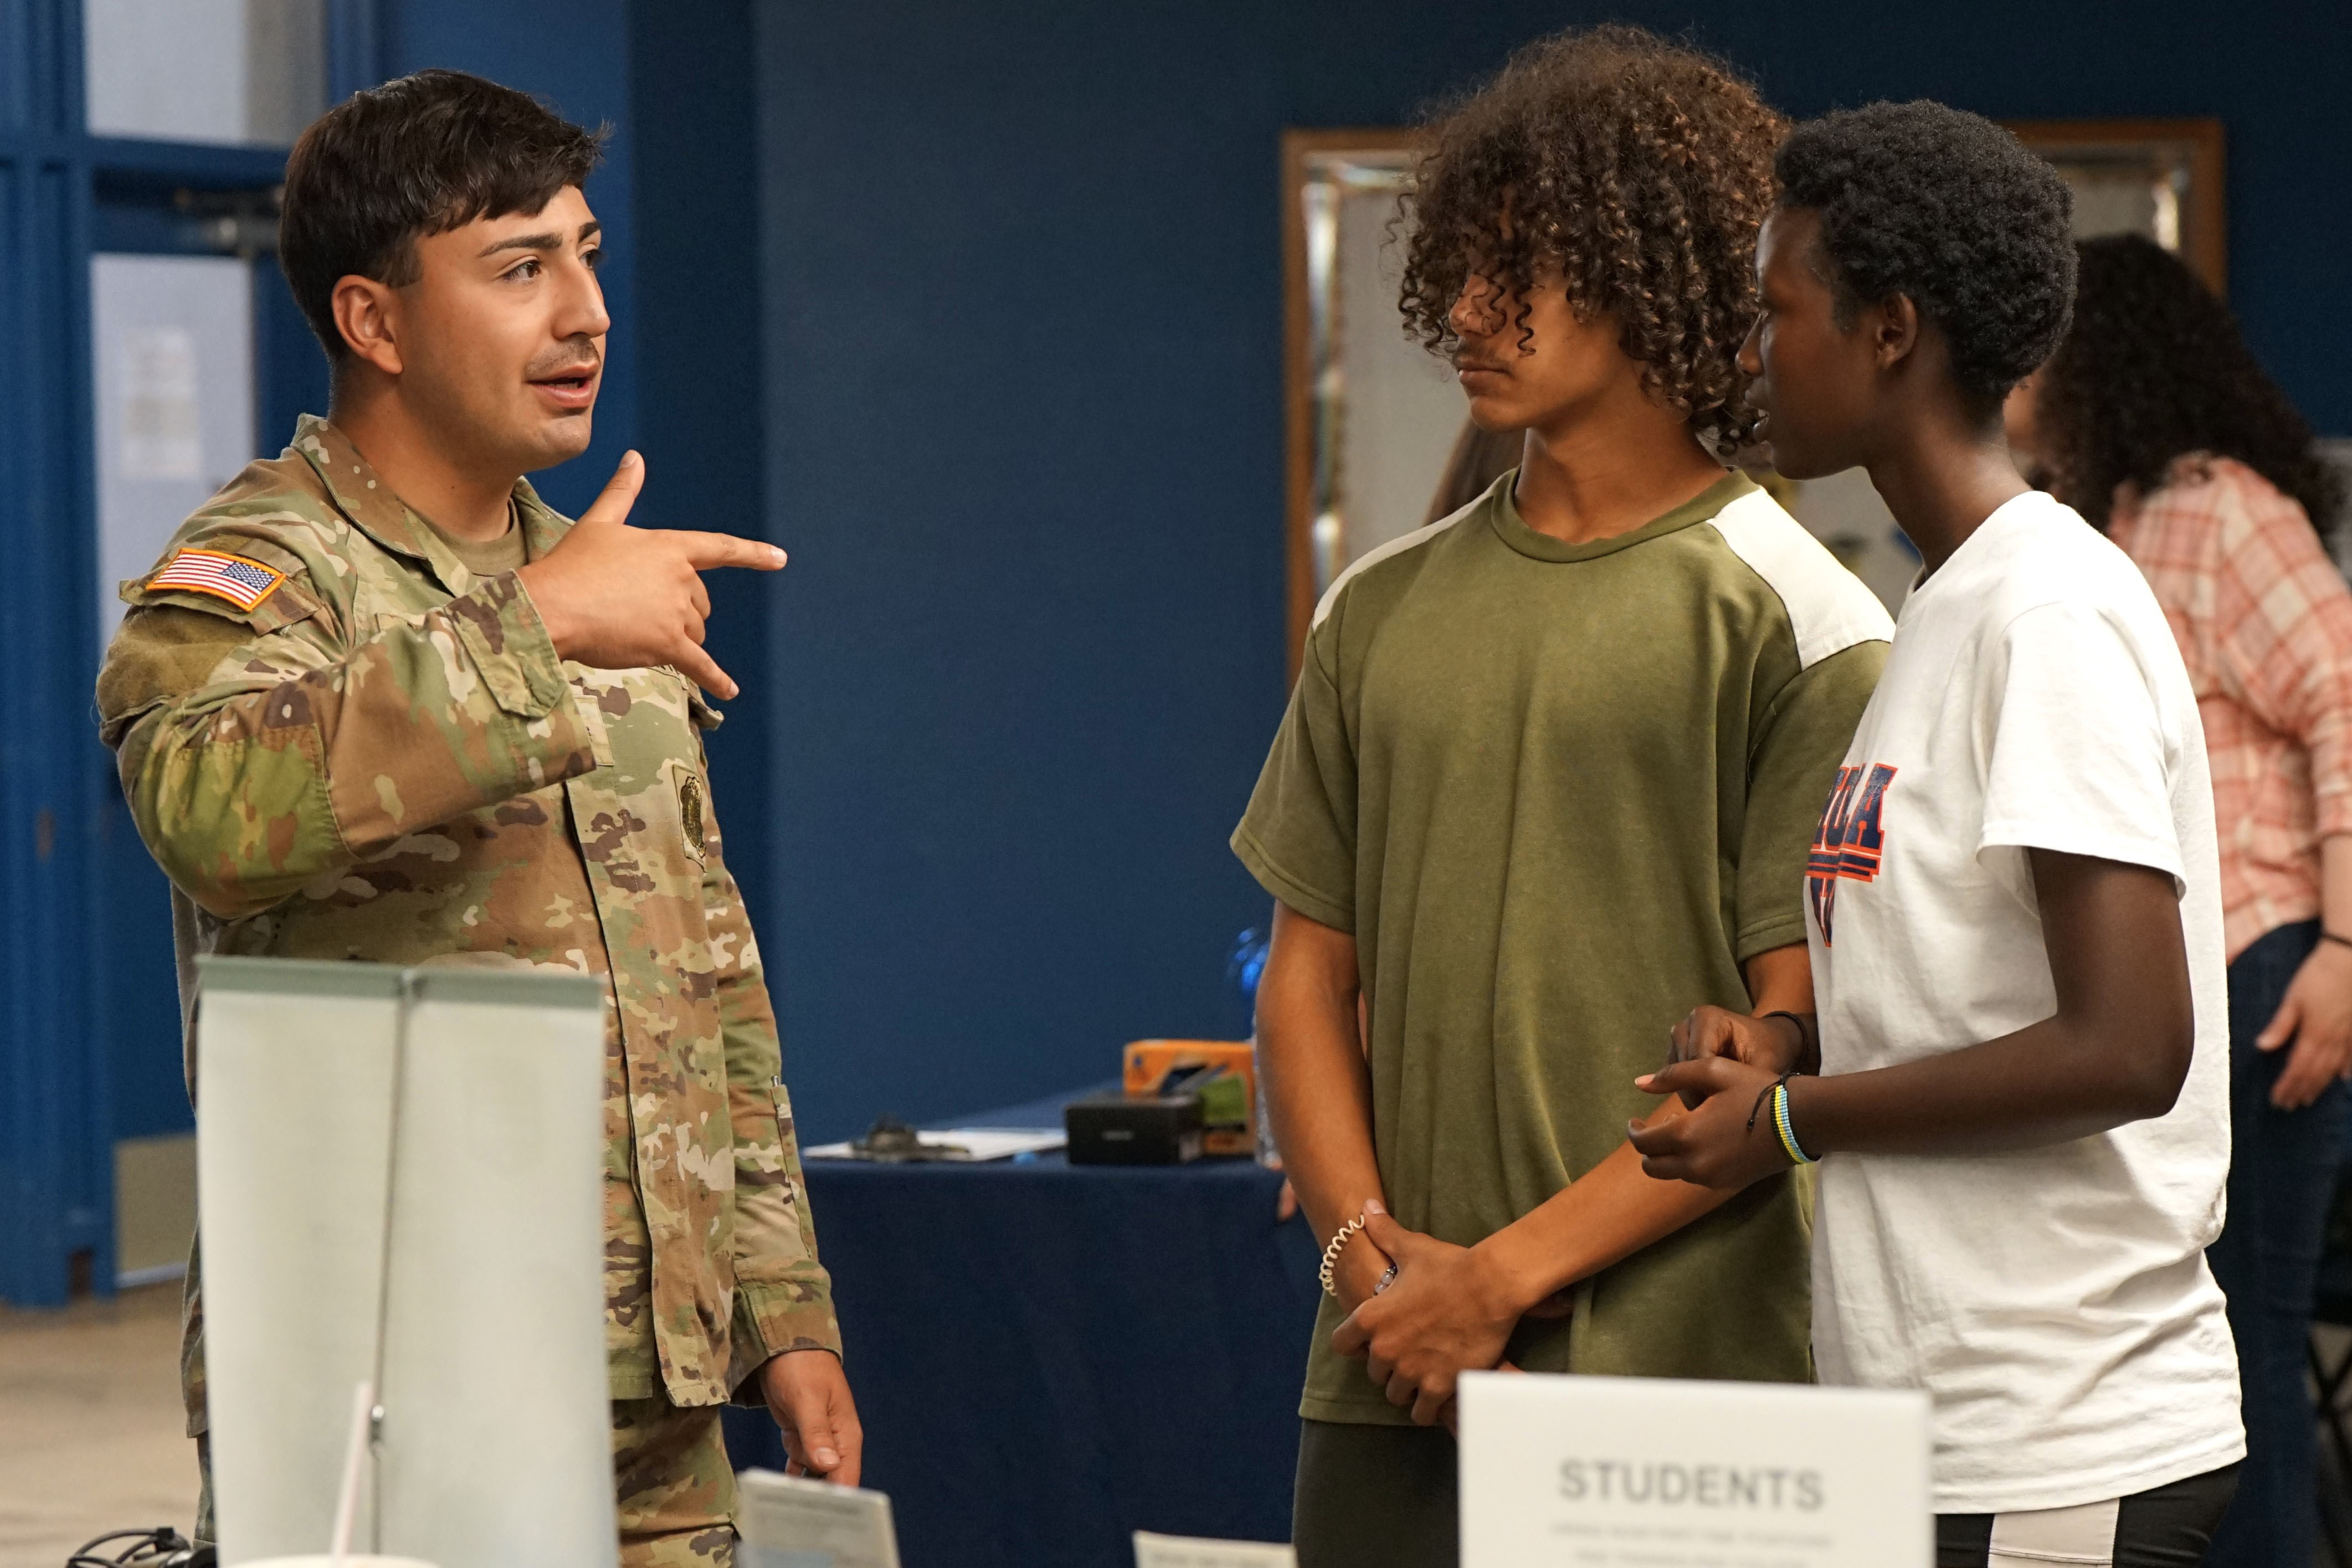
(243, 583)
(689, 812)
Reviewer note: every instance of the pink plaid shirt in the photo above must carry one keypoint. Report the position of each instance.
(2265, 622)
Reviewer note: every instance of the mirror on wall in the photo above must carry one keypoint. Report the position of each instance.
(1375, 423)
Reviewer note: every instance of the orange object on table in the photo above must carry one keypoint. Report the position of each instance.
(1146, 1062)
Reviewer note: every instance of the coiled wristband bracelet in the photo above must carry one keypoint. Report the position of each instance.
(1332, 1254)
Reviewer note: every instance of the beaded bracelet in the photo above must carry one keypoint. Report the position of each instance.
(1332, 1254)
(1788, 1133)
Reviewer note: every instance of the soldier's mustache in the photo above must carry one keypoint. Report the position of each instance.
(568, 361)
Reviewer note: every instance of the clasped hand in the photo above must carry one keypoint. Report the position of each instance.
(1443, 1316)
(1723, 1063)
(621, 598)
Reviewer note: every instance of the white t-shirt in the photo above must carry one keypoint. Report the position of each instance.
(2054, 1303)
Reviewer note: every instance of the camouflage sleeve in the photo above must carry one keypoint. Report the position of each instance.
(301, 752)
(783, 1297)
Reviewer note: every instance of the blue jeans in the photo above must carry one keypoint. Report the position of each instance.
(2282, 1172)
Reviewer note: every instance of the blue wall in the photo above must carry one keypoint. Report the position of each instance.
(700, 373)
(1023, 440)
(977, 309)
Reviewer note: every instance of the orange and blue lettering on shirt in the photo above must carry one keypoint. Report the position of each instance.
(1851, 838)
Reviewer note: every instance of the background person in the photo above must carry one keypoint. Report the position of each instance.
(1549, 769)
(378, 702)
(2156, 423)
(2013, 901)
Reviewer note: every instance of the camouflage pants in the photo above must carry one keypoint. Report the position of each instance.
(674, 1488)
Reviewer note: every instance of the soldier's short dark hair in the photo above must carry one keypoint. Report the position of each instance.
(415, 157)
(1944, 207)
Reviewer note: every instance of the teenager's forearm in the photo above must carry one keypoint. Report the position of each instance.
(2116, 1050)
(1606, 1215)
(2050, 1082)
(1613, 1211)
(1318, 1092)
(1781, 980)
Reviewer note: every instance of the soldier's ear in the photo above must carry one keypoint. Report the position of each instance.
(367, 315)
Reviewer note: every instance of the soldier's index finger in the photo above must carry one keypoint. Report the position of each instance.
(620, 493)
(704, 551)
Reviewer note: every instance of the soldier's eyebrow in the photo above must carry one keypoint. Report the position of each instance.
(546, 240)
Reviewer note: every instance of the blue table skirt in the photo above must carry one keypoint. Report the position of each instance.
(1047, 1358)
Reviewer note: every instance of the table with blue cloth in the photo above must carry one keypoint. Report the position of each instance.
(1048, 1357)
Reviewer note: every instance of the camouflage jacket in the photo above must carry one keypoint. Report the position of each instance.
(382, 758)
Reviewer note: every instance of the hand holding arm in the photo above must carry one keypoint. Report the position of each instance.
(1451, 1308)
(2116, 1050)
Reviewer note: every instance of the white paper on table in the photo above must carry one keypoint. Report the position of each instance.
(978, 1144)
(1631, 1472)
(1185, 1551)
(788, 1522)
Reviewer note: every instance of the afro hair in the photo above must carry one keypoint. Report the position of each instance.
(1952, 211)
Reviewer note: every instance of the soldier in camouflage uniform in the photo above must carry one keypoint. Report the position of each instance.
(345, 733)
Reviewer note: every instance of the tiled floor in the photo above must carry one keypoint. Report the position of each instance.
(91, 1425)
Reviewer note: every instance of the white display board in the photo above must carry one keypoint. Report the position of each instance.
(1628, 1472)
(792, 1522)
(400, 1177)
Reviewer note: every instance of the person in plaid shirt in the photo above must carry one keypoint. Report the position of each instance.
(2155, 421)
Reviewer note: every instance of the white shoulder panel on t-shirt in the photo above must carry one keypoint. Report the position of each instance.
(1828, 606)
(1395, 547)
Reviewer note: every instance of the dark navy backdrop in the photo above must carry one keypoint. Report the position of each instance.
(1023, 438)
(977, 309)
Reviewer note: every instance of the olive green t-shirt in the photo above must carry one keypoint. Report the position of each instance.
(1560, 793)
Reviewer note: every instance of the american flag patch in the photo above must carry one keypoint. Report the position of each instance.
(244, 583)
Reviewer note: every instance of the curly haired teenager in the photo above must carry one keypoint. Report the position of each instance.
(2155, 421)
(1550, 769)
(2013, 903)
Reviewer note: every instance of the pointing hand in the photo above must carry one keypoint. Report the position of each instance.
(621, 598)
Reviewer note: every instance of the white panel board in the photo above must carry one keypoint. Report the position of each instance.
(294, 1075)
(402, 1177)
(497, 1448)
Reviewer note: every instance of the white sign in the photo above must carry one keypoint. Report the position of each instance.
(1627, 1472)
(1185, 1551)
(792, 1522)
